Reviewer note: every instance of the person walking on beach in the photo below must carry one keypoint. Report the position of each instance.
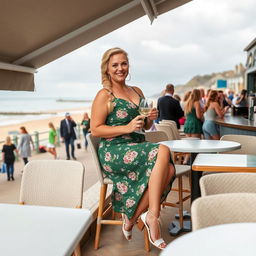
(9, 157)
(52, 139)
(86, 126)
(24, 145)
(68, 134)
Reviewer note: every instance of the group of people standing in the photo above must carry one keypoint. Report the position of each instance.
(23, 149)
(199, 110)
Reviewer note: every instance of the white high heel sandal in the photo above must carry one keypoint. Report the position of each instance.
(159, 241)
(127, 234)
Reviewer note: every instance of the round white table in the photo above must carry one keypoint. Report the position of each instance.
(234, 239)
(199, 146)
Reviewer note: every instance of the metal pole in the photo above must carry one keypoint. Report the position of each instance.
(36, 134)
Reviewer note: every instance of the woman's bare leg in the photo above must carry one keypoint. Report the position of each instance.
(160, 177)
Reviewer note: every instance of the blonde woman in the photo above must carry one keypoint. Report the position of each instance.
(194, 114)
(142, 172)
(9, 157)
(52, 139)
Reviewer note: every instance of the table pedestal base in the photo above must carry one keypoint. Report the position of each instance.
(186, 215)
(175, 229)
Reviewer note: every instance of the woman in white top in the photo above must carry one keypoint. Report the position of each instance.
(212, 110)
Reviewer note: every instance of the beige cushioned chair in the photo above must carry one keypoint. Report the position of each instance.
(247, 143)
(222, 209)
(53, 183)
(228, 183)
(105, 206)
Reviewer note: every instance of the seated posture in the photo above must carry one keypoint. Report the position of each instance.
(142, 172)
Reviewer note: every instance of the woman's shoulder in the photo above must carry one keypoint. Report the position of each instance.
(103, 93)
(137, 90)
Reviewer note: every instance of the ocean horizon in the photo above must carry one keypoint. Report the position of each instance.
(15, 110)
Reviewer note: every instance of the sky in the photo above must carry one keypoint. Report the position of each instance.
(200, 37)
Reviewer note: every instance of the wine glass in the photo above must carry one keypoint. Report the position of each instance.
(145, 107)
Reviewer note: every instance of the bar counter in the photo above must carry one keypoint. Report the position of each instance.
(236, 125)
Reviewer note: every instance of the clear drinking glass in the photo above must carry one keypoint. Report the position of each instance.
(145, 107)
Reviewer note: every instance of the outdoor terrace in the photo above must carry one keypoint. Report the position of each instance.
(112, 240)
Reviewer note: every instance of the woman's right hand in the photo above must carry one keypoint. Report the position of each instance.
(136, 124)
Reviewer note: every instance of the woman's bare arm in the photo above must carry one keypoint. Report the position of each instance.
(199, 112)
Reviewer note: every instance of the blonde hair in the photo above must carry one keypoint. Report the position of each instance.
(51, 125)
(186, 96)
(8, 141)
(105, 79)
(193, 97)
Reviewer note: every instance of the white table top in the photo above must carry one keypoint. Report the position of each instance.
(200, 146)
(234, 239)
(40, 230)
(225, 163)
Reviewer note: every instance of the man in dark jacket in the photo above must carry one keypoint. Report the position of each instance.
(68, 135)
(168, 107)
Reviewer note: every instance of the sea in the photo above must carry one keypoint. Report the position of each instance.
(15, 110)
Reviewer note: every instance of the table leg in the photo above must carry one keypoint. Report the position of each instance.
(195, 177)
(174, 227)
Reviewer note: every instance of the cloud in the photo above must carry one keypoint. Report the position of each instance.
(199, 37)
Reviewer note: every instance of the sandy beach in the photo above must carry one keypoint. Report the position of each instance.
(41, 125)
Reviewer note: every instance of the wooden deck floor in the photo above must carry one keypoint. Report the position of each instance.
(113, 242)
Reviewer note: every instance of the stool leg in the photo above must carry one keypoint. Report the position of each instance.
(180, 201)
(103, 191)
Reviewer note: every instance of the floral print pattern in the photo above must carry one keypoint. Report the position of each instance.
(127, 160)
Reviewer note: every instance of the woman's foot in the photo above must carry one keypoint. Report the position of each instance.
(153, 227)
(127, 227)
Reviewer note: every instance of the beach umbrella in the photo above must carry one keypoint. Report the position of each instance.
(34, 33)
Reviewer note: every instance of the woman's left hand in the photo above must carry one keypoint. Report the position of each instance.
(153, 115)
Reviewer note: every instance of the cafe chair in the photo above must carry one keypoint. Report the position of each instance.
(53, 183)
(181, 170)
(247, 143)
(104, 205)
(222, 209)
(180, 134)
(155, 136)
(228, 183)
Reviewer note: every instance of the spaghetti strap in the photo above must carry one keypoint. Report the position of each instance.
(110, 92)
(137, 92)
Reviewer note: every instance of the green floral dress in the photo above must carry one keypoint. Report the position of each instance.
(127, 160)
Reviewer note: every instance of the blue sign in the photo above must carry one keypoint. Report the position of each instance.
(221, 83)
